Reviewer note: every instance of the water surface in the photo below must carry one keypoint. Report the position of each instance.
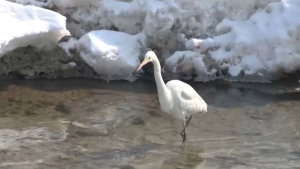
(80, 123)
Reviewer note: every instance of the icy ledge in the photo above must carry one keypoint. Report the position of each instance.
(29, 25)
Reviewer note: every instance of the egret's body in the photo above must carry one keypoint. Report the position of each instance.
(176, 97)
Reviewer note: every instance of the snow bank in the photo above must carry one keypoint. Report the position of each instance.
(114, 55)
(268, 42)
(29, 25)
(213, 39)
(185, 61)
(196, 17)
(46, 3)
(67, 46)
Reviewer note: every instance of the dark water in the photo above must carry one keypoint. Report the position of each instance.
(80, 123)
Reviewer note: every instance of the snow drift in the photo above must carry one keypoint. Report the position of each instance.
(29, 25)
(268, 42)
(112, 54)
(246, 41)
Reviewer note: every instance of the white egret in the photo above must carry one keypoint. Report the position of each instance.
(176, 97)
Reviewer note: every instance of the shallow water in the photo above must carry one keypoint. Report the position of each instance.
(80, 123)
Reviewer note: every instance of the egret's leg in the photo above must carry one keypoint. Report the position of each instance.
(187, 123)
(183, 129)
(183, 134)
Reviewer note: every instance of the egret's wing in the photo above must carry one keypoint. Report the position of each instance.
(191, 102)
(186, 97)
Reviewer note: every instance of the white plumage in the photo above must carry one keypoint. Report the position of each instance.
(186, 99)
(176, 97)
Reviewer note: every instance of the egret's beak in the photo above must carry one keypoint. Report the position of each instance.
(142, 64)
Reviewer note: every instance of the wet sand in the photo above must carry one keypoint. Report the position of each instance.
(82, 123)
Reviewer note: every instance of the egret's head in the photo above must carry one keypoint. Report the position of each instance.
(149, 56)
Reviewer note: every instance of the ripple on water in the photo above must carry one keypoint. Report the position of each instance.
(13, 139)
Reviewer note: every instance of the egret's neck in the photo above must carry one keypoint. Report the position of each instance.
(163, 91)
